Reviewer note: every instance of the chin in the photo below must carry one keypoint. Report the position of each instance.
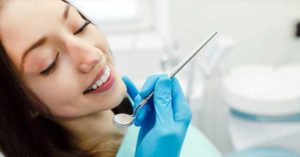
(122, 103)
(119, 95)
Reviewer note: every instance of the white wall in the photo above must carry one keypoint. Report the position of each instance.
(263, 29)
(264, 33)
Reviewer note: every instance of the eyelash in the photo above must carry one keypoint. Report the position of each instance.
(53, 65)
(86, 23)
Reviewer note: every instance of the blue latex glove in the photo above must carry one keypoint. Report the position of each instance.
(164, 120)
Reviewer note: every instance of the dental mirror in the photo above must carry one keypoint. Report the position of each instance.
(126, 120)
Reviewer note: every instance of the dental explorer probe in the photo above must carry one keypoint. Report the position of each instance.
(126, 120)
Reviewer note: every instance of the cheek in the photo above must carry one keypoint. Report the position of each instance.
(56, 91)
(60, 91)
(59, 99)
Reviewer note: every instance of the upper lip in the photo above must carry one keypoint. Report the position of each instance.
(98, 76)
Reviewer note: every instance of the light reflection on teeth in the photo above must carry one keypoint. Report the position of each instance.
(102, 79)
(94, 86)
(99, 83)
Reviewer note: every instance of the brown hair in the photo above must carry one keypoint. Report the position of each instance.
(24, 136)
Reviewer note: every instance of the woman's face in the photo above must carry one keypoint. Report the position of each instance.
(60, 56)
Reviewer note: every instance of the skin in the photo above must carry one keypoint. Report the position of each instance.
(81, 56)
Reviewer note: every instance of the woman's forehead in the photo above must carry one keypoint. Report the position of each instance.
(22, 22)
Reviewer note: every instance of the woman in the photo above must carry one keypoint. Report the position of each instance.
(59, 87)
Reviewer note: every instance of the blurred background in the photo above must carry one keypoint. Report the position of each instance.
(243, 88)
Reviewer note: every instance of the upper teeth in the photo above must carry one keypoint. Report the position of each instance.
(102, 79)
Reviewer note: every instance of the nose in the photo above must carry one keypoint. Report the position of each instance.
(83, 55)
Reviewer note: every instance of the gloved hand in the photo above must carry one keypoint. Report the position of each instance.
(164, 120)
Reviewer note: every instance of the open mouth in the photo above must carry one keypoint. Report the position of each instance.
(101, 81)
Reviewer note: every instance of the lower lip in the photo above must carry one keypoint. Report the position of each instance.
(104, 86)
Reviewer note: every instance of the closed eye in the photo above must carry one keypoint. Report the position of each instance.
(51, 67)
(54, 63)
(82, 27)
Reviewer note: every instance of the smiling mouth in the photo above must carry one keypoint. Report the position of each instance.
(103, 78)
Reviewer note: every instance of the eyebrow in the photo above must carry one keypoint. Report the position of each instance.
(66, 12)
(42, 40)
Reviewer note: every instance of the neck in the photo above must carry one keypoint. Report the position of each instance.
(91, 131)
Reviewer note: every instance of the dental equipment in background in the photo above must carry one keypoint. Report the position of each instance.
(126, 120)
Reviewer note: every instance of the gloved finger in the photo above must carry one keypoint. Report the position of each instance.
(146, 111)
(131, 89)
(163, 100)
(181, 110)
(149, 85)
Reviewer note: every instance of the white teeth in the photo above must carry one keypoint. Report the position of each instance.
(106, 74)
(107, 70)
(102, 79)
(94, 86)
(99, 83)
(105, 77)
